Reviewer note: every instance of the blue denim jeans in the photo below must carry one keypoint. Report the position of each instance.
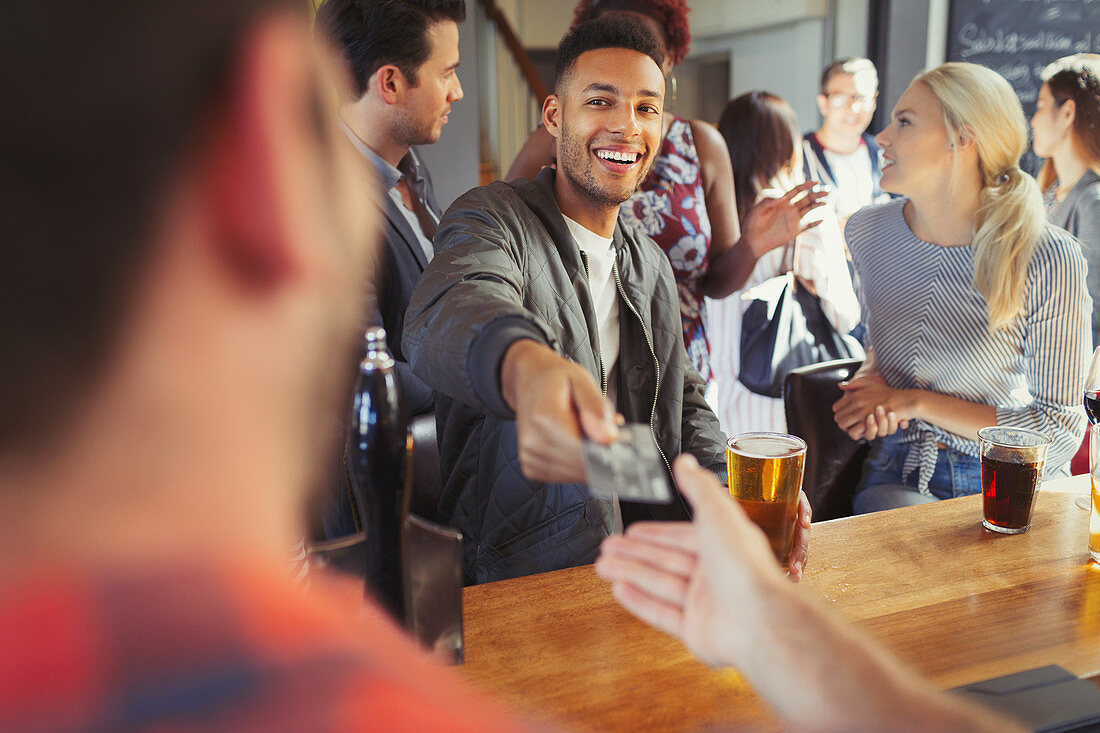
(882, 486)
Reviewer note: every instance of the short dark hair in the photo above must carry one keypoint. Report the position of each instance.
(608, 31)
(373, 33)
(106, 101)
(671, 16)
(847, 65)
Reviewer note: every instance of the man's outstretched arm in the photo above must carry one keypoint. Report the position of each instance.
(469, 335)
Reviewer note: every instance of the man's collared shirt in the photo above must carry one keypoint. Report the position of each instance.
(390, 176)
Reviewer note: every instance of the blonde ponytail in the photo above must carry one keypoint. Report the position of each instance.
(1011, 219)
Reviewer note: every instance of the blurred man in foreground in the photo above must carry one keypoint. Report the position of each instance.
(180, 295)
(181, 284)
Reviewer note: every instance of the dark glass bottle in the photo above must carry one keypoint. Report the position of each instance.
(376, 458)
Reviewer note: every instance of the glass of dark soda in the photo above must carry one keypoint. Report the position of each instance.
(1012, 464)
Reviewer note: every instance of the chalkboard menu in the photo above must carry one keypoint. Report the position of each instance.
(1017, 38)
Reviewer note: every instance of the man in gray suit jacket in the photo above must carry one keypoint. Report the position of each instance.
(402, 56)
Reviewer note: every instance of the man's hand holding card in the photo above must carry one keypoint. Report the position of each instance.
(628, 468)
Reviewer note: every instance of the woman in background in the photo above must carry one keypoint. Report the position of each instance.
(1066, 130)
(976, 308)
(765, 148)
(686, 202)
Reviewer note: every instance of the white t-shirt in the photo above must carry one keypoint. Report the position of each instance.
(855, 186)
(600, 253)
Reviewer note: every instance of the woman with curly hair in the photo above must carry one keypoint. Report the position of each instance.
(1066, 131)
(686, 203)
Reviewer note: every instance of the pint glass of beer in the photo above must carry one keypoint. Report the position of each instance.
(765, 475)
(1012, 463)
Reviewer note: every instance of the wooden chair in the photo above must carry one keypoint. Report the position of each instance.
(427, 484)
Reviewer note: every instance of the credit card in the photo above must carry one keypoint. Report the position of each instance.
(630, 468)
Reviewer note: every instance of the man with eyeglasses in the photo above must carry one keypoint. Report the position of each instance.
(840, 154)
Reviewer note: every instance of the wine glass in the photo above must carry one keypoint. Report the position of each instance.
(1092, 409)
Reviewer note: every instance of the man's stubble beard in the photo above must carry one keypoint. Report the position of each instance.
(405, 130)
(574, 163)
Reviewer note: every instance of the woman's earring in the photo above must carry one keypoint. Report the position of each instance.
(672, 85)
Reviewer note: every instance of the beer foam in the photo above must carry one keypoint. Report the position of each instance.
(766, 446)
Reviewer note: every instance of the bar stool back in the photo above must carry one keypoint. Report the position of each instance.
(834, 461)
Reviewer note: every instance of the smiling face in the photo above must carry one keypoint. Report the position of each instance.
(607, 121)
(918, 156)
(1050, 125)
(848, 103)
(425, 106)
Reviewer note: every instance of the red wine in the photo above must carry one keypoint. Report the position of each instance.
(1092, 405)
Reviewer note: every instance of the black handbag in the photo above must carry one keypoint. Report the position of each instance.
(785, 328)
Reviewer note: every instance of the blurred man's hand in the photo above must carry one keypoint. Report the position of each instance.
(693, 580)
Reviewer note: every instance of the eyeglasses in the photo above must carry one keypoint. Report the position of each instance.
(839, 100)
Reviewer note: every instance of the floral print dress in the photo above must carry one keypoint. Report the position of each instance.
(669, 207)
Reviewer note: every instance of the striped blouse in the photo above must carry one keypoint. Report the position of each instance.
(929, 330)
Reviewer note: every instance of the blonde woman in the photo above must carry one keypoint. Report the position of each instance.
(976, 308)
(1066, 131)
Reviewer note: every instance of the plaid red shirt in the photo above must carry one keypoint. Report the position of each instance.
(192, 648)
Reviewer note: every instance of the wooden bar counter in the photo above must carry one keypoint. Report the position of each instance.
(956, 602)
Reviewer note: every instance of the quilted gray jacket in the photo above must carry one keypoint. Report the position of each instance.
(507, 268)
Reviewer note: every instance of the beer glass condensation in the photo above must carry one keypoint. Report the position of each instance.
(1012, 464)
(765, 476)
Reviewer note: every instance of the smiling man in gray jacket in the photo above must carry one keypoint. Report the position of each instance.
(542, 316)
